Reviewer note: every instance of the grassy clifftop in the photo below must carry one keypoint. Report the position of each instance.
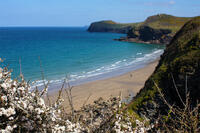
(160, 21)
(179, 67)
(158, 29)
(164, 21)
(111, 26)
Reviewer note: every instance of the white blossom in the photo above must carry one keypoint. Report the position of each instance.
(10, 111)
(4, 98)
(41, 102)
(5, 85)
(30, 107)
(2, 111)
(21, 88)
(20, 105)
(39, 111)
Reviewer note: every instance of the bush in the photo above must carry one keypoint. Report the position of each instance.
(24, 110)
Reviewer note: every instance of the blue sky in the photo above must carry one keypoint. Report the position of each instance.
(83, 12)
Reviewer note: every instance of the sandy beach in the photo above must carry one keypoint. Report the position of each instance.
(126, 84)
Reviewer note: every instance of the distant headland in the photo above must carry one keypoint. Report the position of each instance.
(157, 29)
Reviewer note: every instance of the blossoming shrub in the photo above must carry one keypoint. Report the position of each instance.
(24, 111)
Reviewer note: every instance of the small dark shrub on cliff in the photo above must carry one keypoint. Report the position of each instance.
(181, 119)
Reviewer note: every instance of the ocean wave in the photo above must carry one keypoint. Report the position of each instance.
(138, 53)
(121, 64)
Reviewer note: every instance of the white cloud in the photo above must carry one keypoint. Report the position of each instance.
(172, 2)
(161, 3)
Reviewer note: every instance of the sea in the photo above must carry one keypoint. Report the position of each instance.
(57, 54)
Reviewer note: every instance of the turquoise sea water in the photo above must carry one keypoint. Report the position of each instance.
(74, 52)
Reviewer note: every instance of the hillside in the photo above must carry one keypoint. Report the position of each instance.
(157, 29)
(179, 67)
(169, 101)
(164, 21)
(111, 26)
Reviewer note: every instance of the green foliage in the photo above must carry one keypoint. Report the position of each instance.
(164, 21)
(157, 22)
(157, 29)
(181, 58)
(111, 26)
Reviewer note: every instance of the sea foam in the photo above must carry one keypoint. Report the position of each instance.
(120, 67)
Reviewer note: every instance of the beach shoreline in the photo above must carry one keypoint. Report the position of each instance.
(118, 70)
(127, 85)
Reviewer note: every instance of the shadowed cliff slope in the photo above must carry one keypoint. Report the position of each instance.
(181, 62)
(157, 29)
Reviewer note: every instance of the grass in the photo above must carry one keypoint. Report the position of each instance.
(176, 73)
(162, 21)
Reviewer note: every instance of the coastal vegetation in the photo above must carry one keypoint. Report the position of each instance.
(157, 29)
(111, 26)
(23, 109)
(169, 101)
(176, 77)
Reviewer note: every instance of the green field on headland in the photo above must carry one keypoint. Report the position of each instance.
(158, 29)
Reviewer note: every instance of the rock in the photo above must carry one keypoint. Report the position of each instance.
(148, 35)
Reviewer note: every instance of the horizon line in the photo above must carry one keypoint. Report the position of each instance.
(41, 26)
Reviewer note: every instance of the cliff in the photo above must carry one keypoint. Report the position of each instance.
(164, 21)
(110, 26)
(157, 29)
(178, 71)
(147, 34)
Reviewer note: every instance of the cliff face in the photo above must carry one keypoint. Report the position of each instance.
(147, 34)
(181, 62)
(109, 26)
(157, 29)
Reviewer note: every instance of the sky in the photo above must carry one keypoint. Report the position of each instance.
(83, 12)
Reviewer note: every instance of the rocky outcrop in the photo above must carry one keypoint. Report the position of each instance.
(146, 34)
(157, 29)
(178, 71)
